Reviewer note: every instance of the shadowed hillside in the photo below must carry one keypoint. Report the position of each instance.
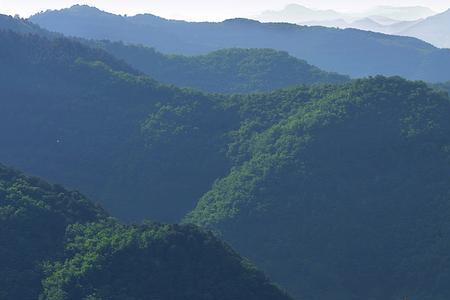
(223, 71)
(350, 52)
(58, 237)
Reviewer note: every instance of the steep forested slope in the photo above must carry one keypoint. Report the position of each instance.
(223, 71)
(22, 26)
(48, 234)
(350, 52)
(33, 219)
(74, 115)
(348, 197)
(112, 261)
(336, 191)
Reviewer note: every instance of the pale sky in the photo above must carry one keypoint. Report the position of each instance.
(202, 10)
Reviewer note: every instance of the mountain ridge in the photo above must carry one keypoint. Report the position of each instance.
(235, 70)
(223, 71)
(324, 195)
(433, 29)
(349, 51)
(79, 251)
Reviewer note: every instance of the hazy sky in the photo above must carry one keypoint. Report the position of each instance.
(205, 9)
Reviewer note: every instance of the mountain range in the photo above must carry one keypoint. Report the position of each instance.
(348, 52)
(368, 24)
(416, 21)
(336, 188)
(85, 131)
(223, 71)
(296, 179)
(435, 30)
(245, 70)
(296, 13)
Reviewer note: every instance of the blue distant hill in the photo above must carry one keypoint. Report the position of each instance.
(352, 52)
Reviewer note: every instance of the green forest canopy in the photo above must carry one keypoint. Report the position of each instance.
(73, 114)
(33, 219)
(56, 236)
(348, 197)
(317, 185)
(223, 71)
(226, 71)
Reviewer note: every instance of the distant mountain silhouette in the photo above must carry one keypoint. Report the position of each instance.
(371, 24)
(295, 13)
(435, 30)
(383, 19)
(224, 71)
(402, 13)
(352, 52)
(21, 25)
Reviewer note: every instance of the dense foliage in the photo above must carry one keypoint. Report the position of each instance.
(336, 191)
(350, 52)
(223, 71)
(348, 197)
(22, 25)
(56, 237)
(73, 114)
(33, 219)
(112, 261)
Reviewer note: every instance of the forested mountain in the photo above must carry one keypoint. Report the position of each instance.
(347, 196)
(336, 191)
(75, 115)
(113, 261)
(223, 71)
(56, 236)
(21, 25)
(351, 52)
(33, 220)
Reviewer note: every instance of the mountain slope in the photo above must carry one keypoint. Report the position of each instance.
(21, 25)
(223, 71)
(33, 219)
(372, 25)
(348, 197)
(353, 52)
(336, 191)
(43, 226)
(74, 115)
(113, 261)
(435, 30)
